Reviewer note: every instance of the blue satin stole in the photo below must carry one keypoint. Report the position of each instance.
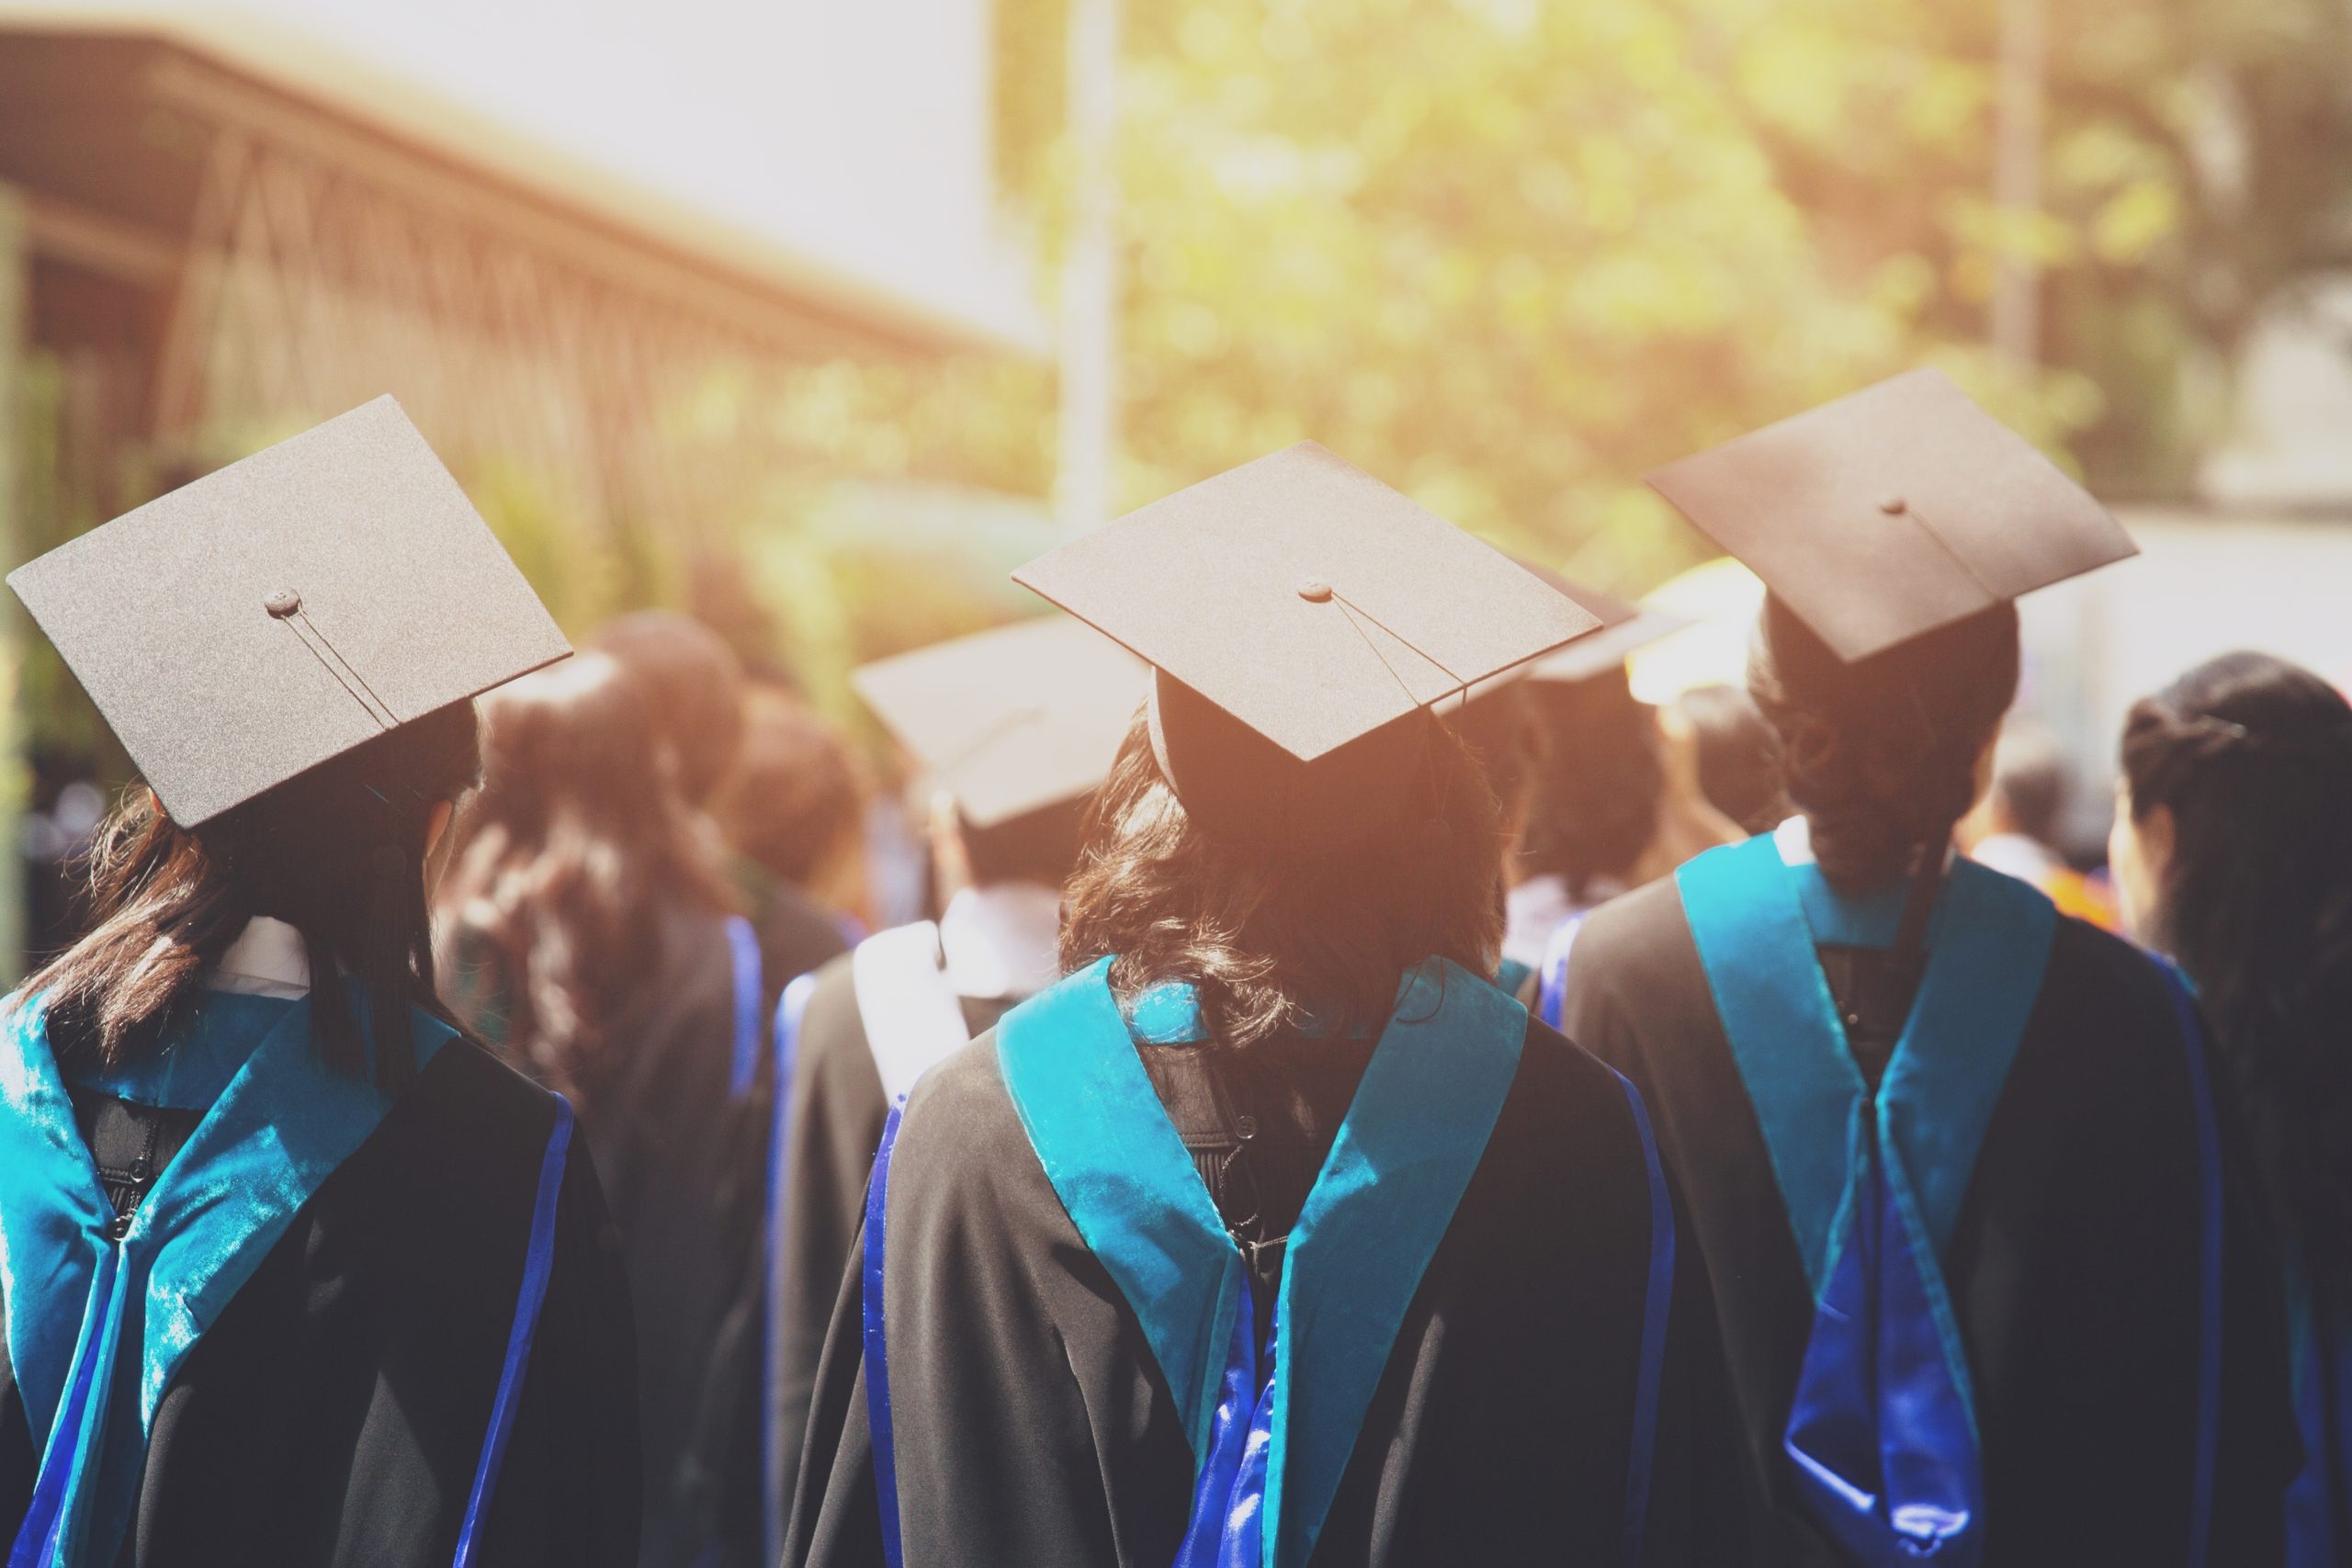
(1882, 1437)
(98, 1327)
(1271, 1428)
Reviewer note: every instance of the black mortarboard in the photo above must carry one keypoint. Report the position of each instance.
(1301, 618)
(1012, 720)
(1892, 512)
(247, 627)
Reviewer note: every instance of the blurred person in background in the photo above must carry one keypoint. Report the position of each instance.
(711, 721)
(297, 1274)
(2015, 826)
(1992, 1284)
(2232, 853)
(1244, 1242)
(585, 921)
(1735, 754)
(1012, 732)
(793, 810)
(1615, 803)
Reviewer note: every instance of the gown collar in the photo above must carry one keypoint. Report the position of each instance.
(114, 1308)
(1412, 1137)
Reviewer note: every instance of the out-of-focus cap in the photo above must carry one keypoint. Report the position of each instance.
(1296, 613)
(1892, 512)
(1624, 627)
(270, 616)
(1011, 720)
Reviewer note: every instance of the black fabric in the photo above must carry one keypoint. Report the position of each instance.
(1259, 1124)
(2074, 1267)
(333, 1415)
(1032, 1426)
(130, 1143)
(834, 1127)
(797, 935)
(684, 1164)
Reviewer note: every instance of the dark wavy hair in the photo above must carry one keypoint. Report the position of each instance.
(338, 852)
(570, 855)
(1598, 781)
(2253, 758)
(1881, 754)
(693, 686)
(1739, 756)
(1280, 943)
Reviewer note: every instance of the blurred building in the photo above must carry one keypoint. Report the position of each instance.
(214, 233)
(220, 233)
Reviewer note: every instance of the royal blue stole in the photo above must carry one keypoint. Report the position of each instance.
(1882, 1437)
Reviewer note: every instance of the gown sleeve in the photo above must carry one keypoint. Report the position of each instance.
(1025, 1431)
(834, 1123)
(570, 1490)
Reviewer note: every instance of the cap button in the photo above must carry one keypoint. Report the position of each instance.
(281, 602)
(1315, 591)
(1893, 505)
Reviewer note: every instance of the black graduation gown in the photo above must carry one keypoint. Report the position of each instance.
(334, 1413)
(1033, 1426)
(797, 935)
(2074, 1265)
(683, 1161)
(836, 1124)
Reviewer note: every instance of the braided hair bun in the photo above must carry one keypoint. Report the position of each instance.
(1881, 755)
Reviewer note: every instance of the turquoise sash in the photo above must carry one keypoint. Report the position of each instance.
(1404, 1155)
(1756, 923)
(77, 1297)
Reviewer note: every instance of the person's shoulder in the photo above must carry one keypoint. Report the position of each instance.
(2097, 975)
(468, 1082)
(796, 933)
(831, 992)
(1633, 920)
(962, 1158)
(1635, 943)
(1564, 1073)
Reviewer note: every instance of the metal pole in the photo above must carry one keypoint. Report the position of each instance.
(1089, 293)
(2016, 178)
(15, 776)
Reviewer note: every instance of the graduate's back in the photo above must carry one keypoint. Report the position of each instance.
(1963, 1180)
(1275, 1233)
(586, 922)
(2232, 851)
(295, 1273)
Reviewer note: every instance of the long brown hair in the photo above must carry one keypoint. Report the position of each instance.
(569, 856)
(338, 852)
(1278, 942)
(2253, 757)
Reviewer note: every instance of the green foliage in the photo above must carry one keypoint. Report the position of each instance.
(1509, 254)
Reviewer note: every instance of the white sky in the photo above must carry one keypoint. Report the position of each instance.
(854, 129)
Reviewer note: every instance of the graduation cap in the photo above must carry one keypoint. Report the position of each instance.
(1625, 627)
(1014, 720)
(268, 617)
(1893, 511)
(1301, 619)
